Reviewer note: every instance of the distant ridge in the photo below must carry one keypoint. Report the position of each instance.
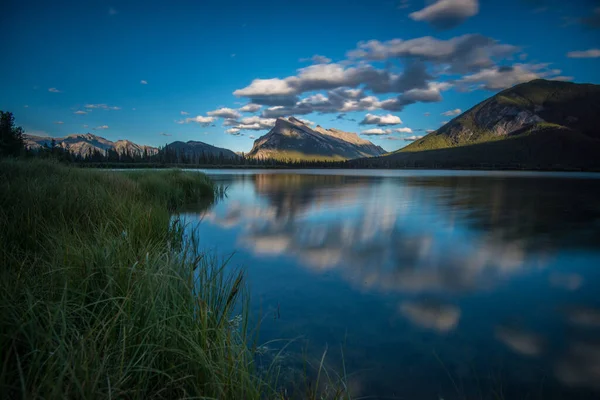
(538, 124)
(197, 149)
(83, 144)
(293, 139)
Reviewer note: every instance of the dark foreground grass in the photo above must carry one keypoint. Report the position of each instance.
(101, 296)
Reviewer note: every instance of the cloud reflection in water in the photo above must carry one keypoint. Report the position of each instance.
(373, 239)
(416, 238)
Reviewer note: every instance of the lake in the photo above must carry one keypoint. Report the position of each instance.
(426, 284)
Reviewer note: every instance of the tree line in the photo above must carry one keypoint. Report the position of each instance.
(12, 143)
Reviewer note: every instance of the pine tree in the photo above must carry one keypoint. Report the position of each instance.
(11, 136)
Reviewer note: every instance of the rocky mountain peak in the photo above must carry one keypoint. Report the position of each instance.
(541, 124)
(295, 120)
(292, 138)
(84, 136)
(82, 143)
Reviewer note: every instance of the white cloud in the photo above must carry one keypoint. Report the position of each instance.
(250, 108)
(54, 90)
(58, 122)
(252, 137)
(266, 87)
(430, 130)
(450, 113)
(354, 84)
(230, 122)
(143, 82)
(318, 98)
(254, 123)
(200, 120)
(101, 127)
(225, 112)
(431, 94)
(344, 86)
(368, 103)
(285, 92)
(233, 131)
(184, 113)
(280, 111)
(376, 132)
(305, 121)
(317, 59)
(381, 120)
(504, 77)
(461, 54)
(338, 100)
(591, 53)
(446, 14)
(80, 112)
(322, 76)
(403, 130)
(101, 107)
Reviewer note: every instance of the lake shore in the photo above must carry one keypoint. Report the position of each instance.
(104, 296)
(333, 165)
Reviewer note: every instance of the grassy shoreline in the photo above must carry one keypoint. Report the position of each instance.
(102, 296)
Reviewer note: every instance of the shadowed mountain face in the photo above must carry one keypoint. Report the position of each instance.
(83, 144)
(547, 124)
(292, 139)
(197, 149)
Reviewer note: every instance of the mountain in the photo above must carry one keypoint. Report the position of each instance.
(292, 139)
(82, 144)
(196, 149)
(538, 124)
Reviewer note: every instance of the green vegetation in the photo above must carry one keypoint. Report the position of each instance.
(538, 148)
(104, 294)
(516, 101)
(101, 296)
(535, 125)
(291, 157)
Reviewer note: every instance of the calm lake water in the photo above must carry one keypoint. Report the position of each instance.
(433, 284)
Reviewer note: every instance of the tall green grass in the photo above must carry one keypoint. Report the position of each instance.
(101, 296)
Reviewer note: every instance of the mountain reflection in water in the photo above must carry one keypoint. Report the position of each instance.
(493, 274)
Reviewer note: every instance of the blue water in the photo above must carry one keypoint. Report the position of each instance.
(421, 284)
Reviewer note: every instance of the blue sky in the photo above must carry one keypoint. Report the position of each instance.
(128, 69)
